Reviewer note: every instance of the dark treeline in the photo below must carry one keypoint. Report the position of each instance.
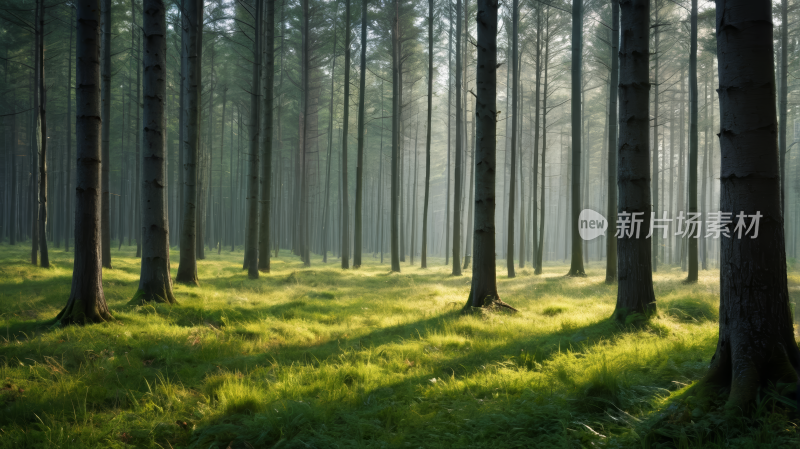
(469, 131)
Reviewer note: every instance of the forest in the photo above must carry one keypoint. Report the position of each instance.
(380, 223)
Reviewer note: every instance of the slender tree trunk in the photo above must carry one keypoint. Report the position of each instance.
(325, 228)
(449, 134)
(221, 209)
(513, 114)
(251, 241)
(424, 253)
(535, 180)
(87, 302)
(539, 257)
(266, 153)
(656, 242)
(155, 283)
(395, 189)
(756, 346)
(576, 266)
(704, 172)
(137, 223)
(362, 87)
(187, 268)
(105, 223)
(611, 239)
(345, 134)
(36, 140)
(692, 242)
(459, 147)
(42, 134)
(635, 296)
(784, 99)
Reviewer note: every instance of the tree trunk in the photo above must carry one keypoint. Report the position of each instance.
(36, 141)
(251, 251)
(87, 302)
(395, 189)
(784, 99)
(361, 125)
(576, 266)
(611, 239)
(266, 149)
(459, 146)
(535, 180)
(635, 296)
(483, 290)
(424, 252)
(42, 134)
(539, 256)
(692, 242)
(345, 133)
(105, 219)
(155, 283)
(513, 114)
(187, 268)
(655, 174)
(756, 344)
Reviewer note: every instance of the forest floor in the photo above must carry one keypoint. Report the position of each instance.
(325, 358)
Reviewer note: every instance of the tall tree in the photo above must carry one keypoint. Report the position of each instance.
(155, 283)
(692, 242)
(635, 296)
(36, 138)
(424, 253)
(483, 290)
(512, 190)
(576, 265)
(345, 134)
(611, 239)
(784, 98)
(87, 302)
(756, 344)
(251, 242)
(394, 231)
(187, 268)
(459, 146)
(266, 146)
(41, 135)
(362, 88)
(106, 137)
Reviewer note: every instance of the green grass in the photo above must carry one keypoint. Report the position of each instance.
(322, 357)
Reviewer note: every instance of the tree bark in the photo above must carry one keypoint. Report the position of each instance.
(42, 135)
(635, 296)
(87, 302)
(512, 189)
(576, 265)
(611, 239)
(459, 147)
(155, 283)
(424, 251)
(395, 188)
(266, 149)
(784, 99)
(692, 242)
(187, 268)
(345, 134)
(362, 87)
(756, 343)
(105, 222)
(251, 252)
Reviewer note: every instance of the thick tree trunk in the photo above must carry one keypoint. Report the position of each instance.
(362, 87)
(266, 149)
(424, 253)
(105, 223)
(635, 296)
(187, 268)
(483, 290)
(576, 265)
(611, 239)
(691, 241)
(756, 343)
(87, 302)
(155, 283)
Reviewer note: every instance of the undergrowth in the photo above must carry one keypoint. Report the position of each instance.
(321, 357)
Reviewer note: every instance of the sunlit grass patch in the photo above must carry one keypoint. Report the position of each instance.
(325, 357)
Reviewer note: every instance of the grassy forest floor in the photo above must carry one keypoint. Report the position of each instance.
(326, 358)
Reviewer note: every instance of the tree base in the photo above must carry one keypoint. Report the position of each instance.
(78, 312)
(143, 297)
(489, 304)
